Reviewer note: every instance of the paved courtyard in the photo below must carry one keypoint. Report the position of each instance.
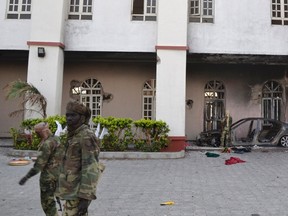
(198, 185)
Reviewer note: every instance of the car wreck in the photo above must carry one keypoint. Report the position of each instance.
(249, 132)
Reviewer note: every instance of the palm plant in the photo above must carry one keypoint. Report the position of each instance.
(30, 94)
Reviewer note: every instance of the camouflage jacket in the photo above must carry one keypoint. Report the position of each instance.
(49, 158)
(79, 171)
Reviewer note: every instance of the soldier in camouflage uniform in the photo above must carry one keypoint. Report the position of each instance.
(48, 163)
(80, 169)
(226, 134)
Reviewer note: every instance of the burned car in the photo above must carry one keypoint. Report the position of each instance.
(249, 131)
(259, 131)
(210, 138)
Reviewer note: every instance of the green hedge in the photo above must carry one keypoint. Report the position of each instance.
(124, 133)
(25, 138)
(151, 135)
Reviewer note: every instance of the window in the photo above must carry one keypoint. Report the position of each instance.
(214, 109)
(80, 10)
(149, 99)
(272, 100)
(201, 11)
(144, 10)
(91, 95)
(279, 12)
(19, 9)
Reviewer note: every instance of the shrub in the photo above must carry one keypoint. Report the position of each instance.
(151, 135)
(119, 136)
(26, 139)
(144, 135)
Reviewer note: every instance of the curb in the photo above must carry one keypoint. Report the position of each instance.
(112, 155)
(142, 155)
(259, 149)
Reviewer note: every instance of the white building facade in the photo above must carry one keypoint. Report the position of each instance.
(185, 62)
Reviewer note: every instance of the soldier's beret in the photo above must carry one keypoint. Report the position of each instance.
(74, 106)
(41, 127)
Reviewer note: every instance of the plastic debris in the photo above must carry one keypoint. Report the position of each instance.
(168, 203)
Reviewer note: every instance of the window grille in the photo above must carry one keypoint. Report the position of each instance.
(214, 109)
(19, 9)
(279, 12)
(201, 11)
(91, 95)
(144, 10)
(80, 10)
(272, 100)
(149, 99)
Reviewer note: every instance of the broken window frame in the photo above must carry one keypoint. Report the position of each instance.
(80, 10)
(201, 11)
(149, 100)
(279, 12)
(144, 10)
(214, 105)
(91, 95)
(272, 93)
(19, 9)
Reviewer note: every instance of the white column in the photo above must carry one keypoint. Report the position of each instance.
(171, 66)
(47, 31)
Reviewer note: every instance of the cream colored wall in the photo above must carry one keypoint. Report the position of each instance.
(124, 80)
(10, 71)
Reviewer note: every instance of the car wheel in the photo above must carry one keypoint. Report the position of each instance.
(284, 141)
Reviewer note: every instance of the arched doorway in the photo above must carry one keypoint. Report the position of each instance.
(214, 107)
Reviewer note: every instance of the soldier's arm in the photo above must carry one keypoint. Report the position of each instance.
(89, 171)
(40, 163)
(43, 158)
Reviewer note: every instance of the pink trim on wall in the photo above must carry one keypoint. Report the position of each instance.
(42, 43)
(172, 47)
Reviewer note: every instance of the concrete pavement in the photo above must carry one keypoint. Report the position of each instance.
(199, 186)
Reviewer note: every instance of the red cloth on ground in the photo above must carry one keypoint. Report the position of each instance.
(233, 160)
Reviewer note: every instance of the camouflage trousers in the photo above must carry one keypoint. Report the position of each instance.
(71, 208)
(225, 137)
(47, 190)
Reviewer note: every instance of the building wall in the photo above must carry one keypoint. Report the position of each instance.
(111, 30)
(124, 81)
(241, 27)
(10, 71)
(243, 85)
(14, 33)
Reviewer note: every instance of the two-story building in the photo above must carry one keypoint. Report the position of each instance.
(185, 62)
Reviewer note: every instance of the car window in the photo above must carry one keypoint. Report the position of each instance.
(244, 131)
(269, 129)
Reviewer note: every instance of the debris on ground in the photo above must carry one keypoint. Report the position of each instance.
(168, 203)
(211, 154)
(226, 150)
(241, 150)
(19, 161)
